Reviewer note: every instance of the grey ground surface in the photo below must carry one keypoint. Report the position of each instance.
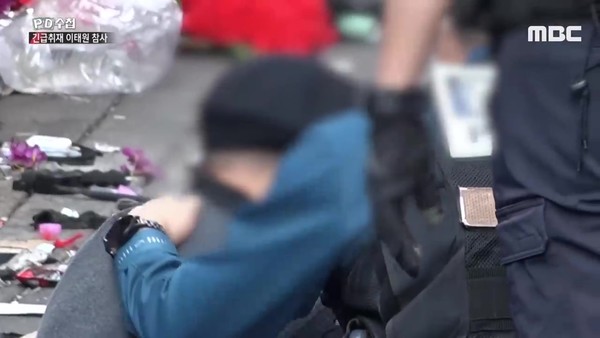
(161, 121)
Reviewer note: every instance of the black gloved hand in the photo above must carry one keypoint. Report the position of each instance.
(403, 167)
(403, 152)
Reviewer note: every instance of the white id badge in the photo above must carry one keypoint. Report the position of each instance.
(462, 94)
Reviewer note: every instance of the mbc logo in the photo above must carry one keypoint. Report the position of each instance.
(553, 34)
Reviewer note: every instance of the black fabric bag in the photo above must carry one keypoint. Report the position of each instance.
(354, 295)
(486, 277)
(435, 304)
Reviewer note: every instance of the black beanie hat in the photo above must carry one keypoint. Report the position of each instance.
(266, 103)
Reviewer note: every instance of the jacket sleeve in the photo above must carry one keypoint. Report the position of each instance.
(165, 295)
(146, 266)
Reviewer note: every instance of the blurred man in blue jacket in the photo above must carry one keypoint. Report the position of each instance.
(289, 126)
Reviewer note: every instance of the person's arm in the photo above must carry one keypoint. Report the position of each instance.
(246, 290)
(451, 46)
(165, 295)
(403, 151)
(410, 31)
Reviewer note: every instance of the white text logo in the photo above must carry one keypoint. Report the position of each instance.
(553, 34)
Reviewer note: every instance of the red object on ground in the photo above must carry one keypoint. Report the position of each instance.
(38, 276)
(69, 242)
(268, 26)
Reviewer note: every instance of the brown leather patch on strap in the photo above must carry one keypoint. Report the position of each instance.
(477, 207)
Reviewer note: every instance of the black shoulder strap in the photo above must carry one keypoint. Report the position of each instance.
(389, 304)
(488, 304)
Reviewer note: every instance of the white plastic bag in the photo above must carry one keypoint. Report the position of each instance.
(146, 35)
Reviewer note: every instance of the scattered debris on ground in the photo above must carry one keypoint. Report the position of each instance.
(41, 164)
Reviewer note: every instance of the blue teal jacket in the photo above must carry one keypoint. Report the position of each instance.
(278, 253)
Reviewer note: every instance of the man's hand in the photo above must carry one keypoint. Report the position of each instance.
(177, 215)
(403, 167)
(403, 149)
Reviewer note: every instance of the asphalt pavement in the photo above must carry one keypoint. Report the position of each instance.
(161, 121)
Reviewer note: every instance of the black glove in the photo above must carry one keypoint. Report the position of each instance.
(403, 167)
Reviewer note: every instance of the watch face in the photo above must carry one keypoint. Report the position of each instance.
(116, 236)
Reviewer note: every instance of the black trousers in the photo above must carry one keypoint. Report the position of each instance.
(547, 184)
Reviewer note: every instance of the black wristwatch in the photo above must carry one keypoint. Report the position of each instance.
(122, 231)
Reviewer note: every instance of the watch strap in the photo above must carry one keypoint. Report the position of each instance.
(124, 229)
(136, 225)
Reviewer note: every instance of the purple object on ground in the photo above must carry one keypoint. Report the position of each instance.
(21, 154)
(125, 190)
(138, 163)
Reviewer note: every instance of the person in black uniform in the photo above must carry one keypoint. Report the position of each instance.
(546, 161)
